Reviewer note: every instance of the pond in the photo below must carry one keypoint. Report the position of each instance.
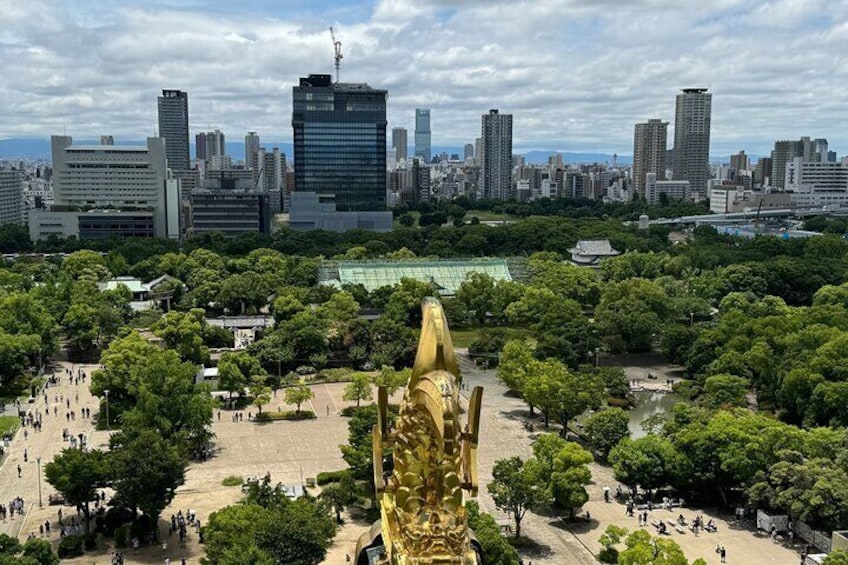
(648, 403)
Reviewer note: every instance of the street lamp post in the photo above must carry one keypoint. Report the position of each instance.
(106, 392)
(40, 504)
(691, 319)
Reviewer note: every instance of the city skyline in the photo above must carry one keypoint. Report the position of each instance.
(92, 68)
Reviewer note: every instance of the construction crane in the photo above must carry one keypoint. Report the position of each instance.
(337, 47)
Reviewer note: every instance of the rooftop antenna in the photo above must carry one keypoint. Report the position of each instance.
(337, 47)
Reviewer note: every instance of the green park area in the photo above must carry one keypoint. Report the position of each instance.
(757, 329)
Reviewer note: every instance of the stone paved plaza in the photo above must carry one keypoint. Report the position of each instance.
(292, 451)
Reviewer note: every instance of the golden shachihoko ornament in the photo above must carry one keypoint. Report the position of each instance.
(422, 503)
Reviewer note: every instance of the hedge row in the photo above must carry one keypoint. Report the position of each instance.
(286, 415)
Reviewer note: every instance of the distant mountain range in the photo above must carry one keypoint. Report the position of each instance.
(39, 148)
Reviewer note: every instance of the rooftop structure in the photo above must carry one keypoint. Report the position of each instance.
(590, 252)
(446, 274)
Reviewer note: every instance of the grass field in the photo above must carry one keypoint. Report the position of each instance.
(462, 338)
(9, 424)
(487, 216)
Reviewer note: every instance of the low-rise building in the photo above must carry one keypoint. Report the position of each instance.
(590, 252)
(313, 211)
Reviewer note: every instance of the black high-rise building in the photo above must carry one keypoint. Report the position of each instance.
(173, 128)
(340, 142)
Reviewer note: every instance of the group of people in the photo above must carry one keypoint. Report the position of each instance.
(16, 506)
(181, 522)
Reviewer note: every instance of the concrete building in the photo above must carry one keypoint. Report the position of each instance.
(738, 162)
(12, 209)
(271, 176)
(251, 149)
(340, 142)
(469, 152)
(399, 143)
(311, 211)
(423, 148)
(111, 190)
(173, 128)
(692, 119)
(726, 200)
(763, 172)
(497, 155)
(817, 183)
(230, 212)
(673, 189)
(107, 140)
(210, 144)
(783, 153)
(649, 147)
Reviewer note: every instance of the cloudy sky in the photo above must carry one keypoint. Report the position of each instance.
(576, 74)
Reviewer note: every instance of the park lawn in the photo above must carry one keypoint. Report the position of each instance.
(464, 337)
(487, 216)
(9, 424)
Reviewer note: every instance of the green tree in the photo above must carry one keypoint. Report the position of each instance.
(78, 475)
(9, 545)
(339, 495)
(649, 462)
(606, 428)
(392, 379)
(392, 342)
(632, 311)
(300, 534)
(182, 332)
(358, 389)
(837, 557)
(233, 527)
(81, 326)
(237, 369)
(299, 394)
(724, 390)
(260, 391)
(641, 549)
(40, 552)
(518, 486)
(611, 537)
(515, 359)
(146, 471)
(496, 550)
(285, 306)
(570, 476)
(85, 263)
(119, 361)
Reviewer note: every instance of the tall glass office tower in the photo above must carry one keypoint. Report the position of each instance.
(340, 142)
(422, 134)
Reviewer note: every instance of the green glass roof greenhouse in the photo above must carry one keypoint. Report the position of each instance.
(447, 274)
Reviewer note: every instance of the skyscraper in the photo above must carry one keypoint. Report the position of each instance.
(340, 142)
(200, 146)
(251, 148)
(692, 138)
(649, 147)
(399, 143)
(469, 151)
(497, 155)
(173, 128)
(423, 149)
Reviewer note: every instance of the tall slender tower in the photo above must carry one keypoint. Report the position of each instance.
(423, 150)
(497, 155)
(649, 146)
(399, 143)
(692, 138)
(251, 148)
(173, 128)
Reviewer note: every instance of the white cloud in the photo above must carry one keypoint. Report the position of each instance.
(576, 74)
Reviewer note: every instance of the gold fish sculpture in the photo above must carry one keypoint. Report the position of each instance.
(422, 503)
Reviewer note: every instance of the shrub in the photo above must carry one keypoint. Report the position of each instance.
(232, 481)
(327, 477)
(608, 555)
(70, 546)
(121, 535)
(335, 375)
(285, 415)
(115, 517)
(90, 541)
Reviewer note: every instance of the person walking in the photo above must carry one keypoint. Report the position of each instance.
(723, 554)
